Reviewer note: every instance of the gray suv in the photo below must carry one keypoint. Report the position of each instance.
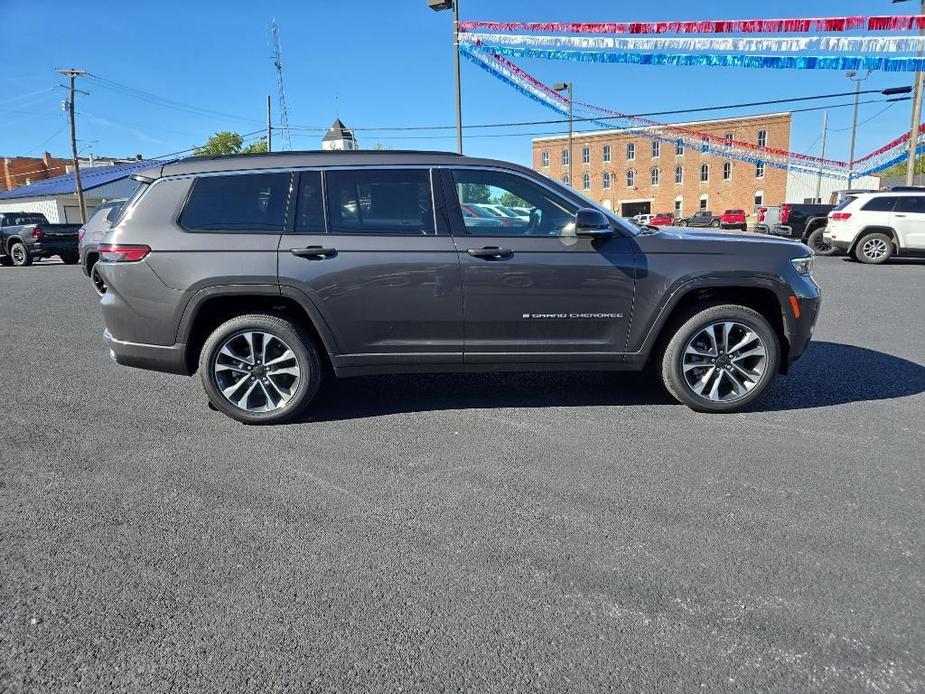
(267, 272)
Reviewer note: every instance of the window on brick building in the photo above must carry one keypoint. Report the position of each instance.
(762, 138)
(606, 154)
(704, 173)
(585, 155)
(656, 149)
(679, 174)
(759, 170)
(605, 180)
(564, 157)
(630, 151)
(727, 171)
(655, 175)
(586, 182)
(545, 159)
(679, 149)
(630, 178)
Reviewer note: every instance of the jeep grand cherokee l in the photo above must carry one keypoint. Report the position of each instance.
(265, 272)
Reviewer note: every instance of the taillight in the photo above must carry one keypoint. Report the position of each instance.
(123, 253)
(784, 213)
(81, 234)
(840, 216)
(37, 233)
(762, 211)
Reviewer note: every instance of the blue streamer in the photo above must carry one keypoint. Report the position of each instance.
(778, 62)
(920, 149)
(646, 135)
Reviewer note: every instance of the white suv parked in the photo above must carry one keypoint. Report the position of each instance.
(873, 227)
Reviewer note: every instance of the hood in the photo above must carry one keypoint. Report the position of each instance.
(688, 240)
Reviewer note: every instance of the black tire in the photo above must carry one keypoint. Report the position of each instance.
(294, 336)
(714, 223)
(874, 249)
(99, 284)
(682, 223)
(672, 358)
(20, 254)
(819, 246)
(70, 258)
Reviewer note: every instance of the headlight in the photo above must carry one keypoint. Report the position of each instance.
(804, 266)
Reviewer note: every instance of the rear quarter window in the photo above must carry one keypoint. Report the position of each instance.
(237, 203)
(881, 203)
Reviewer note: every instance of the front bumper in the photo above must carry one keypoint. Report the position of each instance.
(166, 358)
(800, 327)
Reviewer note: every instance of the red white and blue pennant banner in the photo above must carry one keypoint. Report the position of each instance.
(719, 26)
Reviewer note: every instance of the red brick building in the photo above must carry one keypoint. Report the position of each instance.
(632, 174)
(18, 171)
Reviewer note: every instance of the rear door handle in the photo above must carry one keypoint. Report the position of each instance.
(314, 252)
(490, 252)
(899, 215)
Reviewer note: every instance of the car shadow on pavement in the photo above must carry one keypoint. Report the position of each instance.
(816, 380)
(830, 373)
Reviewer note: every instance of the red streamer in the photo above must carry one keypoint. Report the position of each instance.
(722, 26)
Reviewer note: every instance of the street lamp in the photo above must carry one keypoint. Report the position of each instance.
(439, 6)
(919, 86)
(563, 87)
(854, 123)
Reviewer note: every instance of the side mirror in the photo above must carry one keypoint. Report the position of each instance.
(592, 223)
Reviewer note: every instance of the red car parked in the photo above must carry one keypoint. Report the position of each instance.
(733, 219)
(662, 219)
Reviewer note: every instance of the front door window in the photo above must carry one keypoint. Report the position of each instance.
(538, 211)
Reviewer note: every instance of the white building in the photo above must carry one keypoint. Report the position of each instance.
(56, 197)
(338, 137)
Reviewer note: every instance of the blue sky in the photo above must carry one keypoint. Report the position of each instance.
(374, 63)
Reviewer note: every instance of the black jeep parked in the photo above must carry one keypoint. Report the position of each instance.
(267, 271)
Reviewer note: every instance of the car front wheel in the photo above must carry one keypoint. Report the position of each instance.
(682, 223)
(874, 249)
(714, 223)
(721, 359)
(260, 369)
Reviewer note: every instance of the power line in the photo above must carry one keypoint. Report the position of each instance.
(603, 118)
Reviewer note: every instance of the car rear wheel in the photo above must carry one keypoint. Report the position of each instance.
(818, 244)
(19, 254)
(721, 359)
(874, 249)
(99, 284)
(260, 369)
(70, 258)
(682, 223)
(714, 223)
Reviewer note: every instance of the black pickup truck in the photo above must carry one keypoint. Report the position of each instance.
(701, 218)
(26, 236)
(805, 222)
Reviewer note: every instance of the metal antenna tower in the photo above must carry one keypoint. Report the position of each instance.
(278, 64)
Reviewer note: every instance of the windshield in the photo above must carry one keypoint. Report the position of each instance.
(17, 219)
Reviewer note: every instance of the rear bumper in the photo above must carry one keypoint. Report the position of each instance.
(54, 246)
(167, 358)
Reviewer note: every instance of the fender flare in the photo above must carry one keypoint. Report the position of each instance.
(685, 286)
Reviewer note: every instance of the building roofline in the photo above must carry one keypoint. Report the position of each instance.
(624, 131)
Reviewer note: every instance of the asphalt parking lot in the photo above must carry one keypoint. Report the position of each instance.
(558, 532)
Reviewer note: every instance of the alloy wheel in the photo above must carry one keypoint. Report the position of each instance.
(18, 253)
(724, 361)
(256, 371)
(874, 248)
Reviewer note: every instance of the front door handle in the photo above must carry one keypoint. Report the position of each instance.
(314, 252)
(899, 215)
(490, 252)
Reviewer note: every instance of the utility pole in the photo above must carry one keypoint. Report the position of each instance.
(72, 74)
(918, 87)
(561, 87)
(269, 127)
(825, 130)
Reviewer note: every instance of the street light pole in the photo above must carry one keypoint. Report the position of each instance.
(561, 87)
(854, 121)
(439, 6)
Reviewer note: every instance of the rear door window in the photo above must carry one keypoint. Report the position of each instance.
(380, 201)
(913, 204)
(309, 216)
(882, 203)
(238, 203)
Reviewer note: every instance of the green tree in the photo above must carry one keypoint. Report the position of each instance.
(230, 142)
(900, 168)
(475, 192)
(508, 199)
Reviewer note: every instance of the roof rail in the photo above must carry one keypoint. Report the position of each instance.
(327, 152)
